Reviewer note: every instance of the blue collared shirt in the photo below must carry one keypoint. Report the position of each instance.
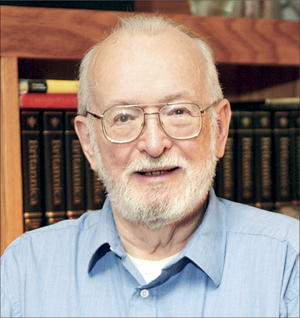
(240, 262)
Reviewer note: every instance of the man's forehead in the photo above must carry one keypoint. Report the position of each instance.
(123, 42)
(166, 98)
(149, 64)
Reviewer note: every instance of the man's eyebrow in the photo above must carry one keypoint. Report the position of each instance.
(166, 99)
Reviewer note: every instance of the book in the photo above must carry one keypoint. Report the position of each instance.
(225, 176)
(296, 116)
(75, 170)
(263, 159)
(245, 157)
(48, 86)
(94, 189)
(284, 161)
(46, 101)
(54, 166)
(31, 148)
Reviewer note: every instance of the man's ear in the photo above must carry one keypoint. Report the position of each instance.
(224, 116)
(81, 128)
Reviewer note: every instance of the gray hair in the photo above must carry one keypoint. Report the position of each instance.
(151, 25)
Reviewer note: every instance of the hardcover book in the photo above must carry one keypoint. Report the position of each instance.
(47, 86)
(263, 159)
(226, 168)
(48, 101)
(283, 144)
(54, 166)
(31, 166)
(245, 157)
(94, 190)
(75, 170)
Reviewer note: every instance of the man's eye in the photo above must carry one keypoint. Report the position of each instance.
(122, 118)
(179, 112)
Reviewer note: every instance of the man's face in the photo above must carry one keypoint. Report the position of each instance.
(155, 179)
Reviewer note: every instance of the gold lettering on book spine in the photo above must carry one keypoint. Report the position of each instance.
(33, 147)
(57, 188)
(266, 167)
(227, 169)
(284, 166)
(246, 167)
(76, 170)
(97, 189)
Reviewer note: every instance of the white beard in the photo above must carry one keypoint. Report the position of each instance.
(160, 204)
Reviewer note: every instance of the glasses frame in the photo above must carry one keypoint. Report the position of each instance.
(141, 106)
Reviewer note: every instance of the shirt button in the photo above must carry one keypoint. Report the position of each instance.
(144, 293)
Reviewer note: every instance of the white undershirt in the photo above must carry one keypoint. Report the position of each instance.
(150, 269)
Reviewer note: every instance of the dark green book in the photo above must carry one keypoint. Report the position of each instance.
(284, 162)
(296, 116)
(263, 159)
(225, 177)
(54, 166)
(75, 170)
(94, 190)
(31, 167)
(245, 158)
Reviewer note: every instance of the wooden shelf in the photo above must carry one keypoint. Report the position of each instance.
(62, 34)
(257, 58)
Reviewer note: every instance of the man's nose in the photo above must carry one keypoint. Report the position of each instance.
(153, 140)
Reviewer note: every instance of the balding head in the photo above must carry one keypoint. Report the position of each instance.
(138, 36)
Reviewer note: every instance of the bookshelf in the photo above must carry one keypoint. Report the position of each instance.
(257, 58)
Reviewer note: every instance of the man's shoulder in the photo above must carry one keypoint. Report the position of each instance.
(244, 219)
(60, 233)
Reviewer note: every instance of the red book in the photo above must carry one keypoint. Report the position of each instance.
(46, 101)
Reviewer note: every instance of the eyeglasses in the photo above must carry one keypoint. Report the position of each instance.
(122, 124)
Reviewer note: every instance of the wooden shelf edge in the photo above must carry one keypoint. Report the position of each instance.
(11, 178)
(31, 32)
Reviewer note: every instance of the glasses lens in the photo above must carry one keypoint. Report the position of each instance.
(122, 124)
(181, 120)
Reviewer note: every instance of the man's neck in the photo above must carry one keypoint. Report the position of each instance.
(141, 242)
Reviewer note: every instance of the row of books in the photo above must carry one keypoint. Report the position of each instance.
(57, 180)
(261, 165)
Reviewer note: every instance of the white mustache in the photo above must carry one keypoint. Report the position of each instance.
(155, 163)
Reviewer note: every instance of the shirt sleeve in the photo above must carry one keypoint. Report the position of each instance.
(291, 300)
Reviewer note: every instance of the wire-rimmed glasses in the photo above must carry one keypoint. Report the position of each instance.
(125, 123)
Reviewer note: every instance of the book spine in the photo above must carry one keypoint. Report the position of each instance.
(94, 189)
(282, 152)
(75, 170)
(47, 86)
(54, 166)
(229, 162)
(245, 158)
(292, 158)
(296, 115)
(263, 159)
(31, 167)
(225, 184)
(46, 101)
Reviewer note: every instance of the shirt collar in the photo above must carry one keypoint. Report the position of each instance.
(206, 248)
(103, 236)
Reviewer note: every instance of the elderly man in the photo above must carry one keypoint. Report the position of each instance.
(153, 122)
